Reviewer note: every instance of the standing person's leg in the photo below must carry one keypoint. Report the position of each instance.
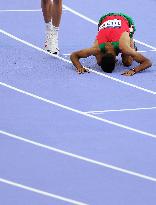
(46, 9)
(56, 12)
(56, 18)
(52, 11)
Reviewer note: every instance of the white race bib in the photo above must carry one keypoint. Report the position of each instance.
(111, 24)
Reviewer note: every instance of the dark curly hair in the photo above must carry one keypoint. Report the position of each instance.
(108, 63)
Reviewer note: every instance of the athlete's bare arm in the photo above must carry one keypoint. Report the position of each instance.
(75, 56)
(127, 60)
(139, 58)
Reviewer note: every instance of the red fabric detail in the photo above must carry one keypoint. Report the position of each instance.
(112, 34)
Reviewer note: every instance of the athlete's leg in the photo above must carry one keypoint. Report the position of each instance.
(52, 11)
(56, 18)
(46, 6)
(46, 9)
(56, 12)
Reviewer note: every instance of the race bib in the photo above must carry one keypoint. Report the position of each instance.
(115, 23)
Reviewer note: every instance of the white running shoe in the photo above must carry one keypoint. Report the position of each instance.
(51, 42)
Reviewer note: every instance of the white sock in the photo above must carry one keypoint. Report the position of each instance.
(55, 30)
(48, 26)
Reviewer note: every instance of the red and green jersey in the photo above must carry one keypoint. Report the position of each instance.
(111, 27)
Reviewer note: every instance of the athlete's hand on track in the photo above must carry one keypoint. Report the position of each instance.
(82, 70)
(128, 72)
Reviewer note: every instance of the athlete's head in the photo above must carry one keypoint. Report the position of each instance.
(108, 63)
(108, 59)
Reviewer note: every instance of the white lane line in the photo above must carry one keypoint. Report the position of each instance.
(146, 51)
(67, 54)
(123, 82)
(98, 112)
(125, 171)
(67, 61)
(78, 111)
(96, 23)
(80, 15)
(41, 192)
(33, 46)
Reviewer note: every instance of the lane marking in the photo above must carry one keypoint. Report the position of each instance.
(33, 46)
(67, 54)
(147, 51)
(67, 61)
(78, 111)
(125, 171)
(41, 192)
(80, 15)
(96, 23)
(98, 112)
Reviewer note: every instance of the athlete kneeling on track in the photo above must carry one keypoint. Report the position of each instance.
(115, 35)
